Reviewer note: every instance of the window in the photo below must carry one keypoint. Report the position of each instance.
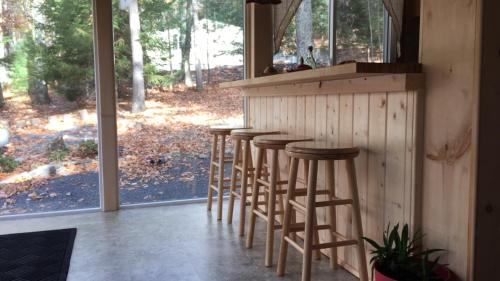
(356, 26)
(48, 123)
(359, 26)
(163, 120)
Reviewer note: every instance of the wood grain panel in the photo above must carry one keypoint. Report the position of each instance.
(262, 113)
(383, 125)
(292, 115)
(395, 158)
(375, 223)
(450, 55)
(320, 132)
(344, 214)
(360, 139)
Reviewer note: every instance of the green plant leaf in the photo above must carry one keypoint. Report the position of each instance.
(401, 257)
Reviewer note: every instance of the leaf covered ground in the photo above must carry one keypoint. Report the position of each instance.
(168, 142)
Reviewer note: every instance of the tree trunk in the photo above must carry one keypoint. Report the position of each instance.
(2, 55)
(304, 30)
(2, 101)
(138, 95)
(186, 44)
(6, 32)
(169, 49)
(199, 76)
(198, 72)
(371, 48)
(37, 88)
(208, 51)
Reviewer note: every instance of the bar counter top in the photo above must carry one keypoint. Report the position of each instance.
(346, 78)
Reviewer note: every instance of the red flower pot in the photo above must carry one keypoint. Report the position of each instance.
(442, 272)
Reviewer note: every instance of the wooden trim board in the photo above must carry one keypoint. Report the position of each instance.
(370, 84)
(345, 71)
(106, 105)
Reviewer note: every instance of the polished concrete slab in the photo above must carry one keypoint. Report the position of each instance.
(181, 242)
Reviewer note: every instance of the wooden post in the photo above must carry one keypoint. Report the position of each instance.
(484, 222)
(106, 104)
(260, 39)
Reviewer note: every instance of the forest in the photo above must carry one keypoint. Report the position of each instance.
(48, 44)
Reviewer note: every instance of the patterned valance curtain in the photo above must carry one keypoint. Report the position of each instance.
(283, 15)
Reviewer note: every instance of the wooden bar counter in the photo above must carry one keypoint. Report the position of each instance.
(377, 107)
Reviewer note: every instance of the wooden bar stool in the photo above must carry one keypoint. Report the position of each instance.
(314, 152)
(218, 162)
(272, 188)
(242, 164)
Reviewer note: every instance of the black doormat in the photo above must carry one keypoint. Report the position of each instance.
(36, 256)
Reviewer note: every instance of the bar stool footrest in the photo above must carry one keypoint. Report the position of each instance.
(303, 192)
(299, 227)
(334, 202)
(299, 207)
(335, 244)
(216, 164)
(294, 244)
(266, 183)
(216, 179)
(216, 188)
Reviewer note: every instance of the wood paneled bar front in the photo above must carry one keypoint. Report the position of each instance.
(377, 107)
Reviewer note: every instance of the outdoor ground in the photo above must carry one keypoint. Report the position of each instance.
(164, 151)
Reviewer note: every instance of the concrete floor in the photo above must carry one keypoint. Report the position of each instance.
(175, 243)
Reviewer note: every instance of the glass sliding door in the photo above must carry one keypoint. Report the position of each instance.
(170, 56)
(48, 124)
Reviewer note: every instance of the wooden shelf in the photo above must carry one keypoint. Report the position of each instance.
(345, 71)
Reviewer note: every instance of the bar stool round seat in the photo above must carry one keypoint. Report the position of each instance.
(218, 161)
(243, 164)
(328, 152)
(250, 134)
(278, 141)
(224, 129)
(322, 150)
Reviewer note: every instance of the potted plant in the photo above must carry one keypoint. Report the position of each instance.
(400, 258)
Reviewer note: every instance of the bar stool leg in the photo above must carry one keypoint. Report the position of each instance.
(351, 175)
(309, 223)
(271, 209)
(281, 203)
(331, 215)
(255, 196)
(220, 189)
(292, 182)
(212, 172)
(317, 253)
(234, 175)
(266, 178)
(244, 185)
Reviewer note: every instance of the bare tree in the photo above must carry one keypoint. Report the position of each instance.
(304, 28)
(2, 101)
(199, 72)
(186, 43)
(138, 92)
(2, 54)
(371, 49)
